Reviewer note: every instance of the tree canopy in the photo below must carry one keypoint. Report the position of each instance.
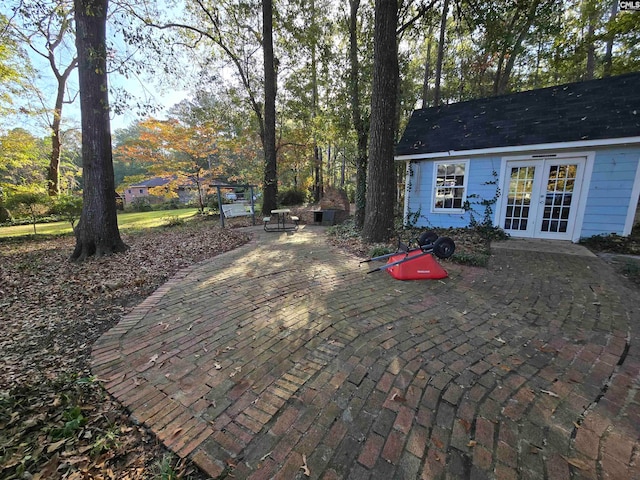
(323, 67)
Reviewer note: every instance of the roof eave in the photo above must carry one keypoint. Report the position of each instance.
(521, 148)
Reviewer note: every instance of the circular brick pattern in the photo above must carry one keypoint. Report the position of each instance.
(285, 357)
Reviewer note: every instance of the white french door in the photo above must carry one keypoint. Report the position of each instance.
(541, 197)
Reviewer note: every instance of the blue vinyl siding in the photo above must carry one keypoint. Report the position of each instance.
(607, 197)
(480, 181)
(609, 193)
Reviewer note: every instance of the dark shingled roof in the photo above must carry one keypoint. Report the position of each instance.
(592, 110)
(153, 182)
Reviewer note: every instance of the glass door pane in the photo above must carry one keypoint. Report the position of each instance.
(519, 198)
(558, 199)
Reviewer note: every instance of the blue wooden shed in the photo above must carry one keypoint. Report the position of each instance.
(557, 163)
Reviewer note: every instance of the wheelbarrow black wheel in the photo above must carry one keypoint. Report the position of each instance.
(427, 238)
(444, 247)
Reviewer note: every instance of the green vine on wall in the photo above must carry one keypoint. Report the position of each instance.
(411, 173)
(411, 219)
(483, 220)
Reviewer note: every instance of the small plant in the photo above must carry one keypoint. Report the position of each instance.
(610, 243)
(471, 259)
(105, 442)
(173, 221)
(631, 270)
(379, 250)
(347, 229)
(74, 420)
(491, 232)
(167, 468)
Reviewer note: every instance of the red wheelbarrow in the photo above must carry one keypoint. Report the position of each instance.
(417, 263)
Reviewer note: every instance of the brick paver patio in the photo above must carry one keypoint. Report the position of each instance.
(284, 359)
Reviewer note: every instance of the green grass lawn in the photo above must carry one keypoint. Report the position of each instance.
(136, 221)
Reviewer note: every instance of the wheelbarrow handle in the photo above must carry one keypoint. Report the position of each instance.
(381, 257)
(406, 258)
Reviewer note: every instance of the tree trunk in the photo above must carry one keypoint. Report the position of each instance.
(321, 171)
(53, 177)
(356, 114)
(443, 28)
(608, 55)
(270, 164)
(378, 223)
(590, 41)
(343, 171)
(97, 232)
(318, 188)
(427, 70)
(330, 178)
(503, 75)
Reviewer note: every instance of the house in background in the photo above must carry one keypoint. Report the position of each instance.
(556, 163)
(187, 192)
(141, 190)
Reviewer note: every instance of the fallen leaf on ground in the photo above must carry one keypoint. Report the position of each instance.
(52, 447)
(466, 424)
(576, 462)
(398, 398)
(264, 457)
(304, 467)
(52, 313)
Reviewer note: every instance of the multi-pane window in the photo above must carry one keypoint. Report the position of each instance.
(449, 188)
(519, 197)
(557, 203)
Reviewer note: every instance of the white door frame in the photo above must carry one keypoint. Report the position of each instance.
(577, 213)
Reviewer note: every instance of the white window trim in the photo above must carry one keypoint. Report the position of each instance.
(465, 185)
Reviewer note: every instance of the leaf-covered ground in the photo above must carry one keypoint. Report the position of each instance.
(472, 246)
(55, 420)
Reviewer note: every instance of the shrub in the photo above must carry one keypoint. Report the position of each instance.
(491, 232)
(292, 196)
(172, 204)
(31, 200)
(140, 204)
(344, 230)
(68, 207)
(631, 269)
(212, 202)
(5, 215)
(379, 250)
(173, 221)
